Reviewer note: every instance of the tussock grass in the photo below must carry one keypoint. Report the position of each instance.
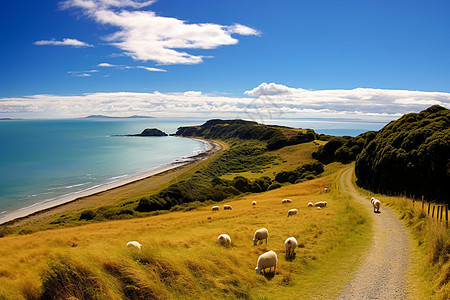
(429, 272)
(180, 256)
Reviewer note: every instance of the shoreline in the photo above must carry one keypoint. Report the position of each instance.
(210, 148)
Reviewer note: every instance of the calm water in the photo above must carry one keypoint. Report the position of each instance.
(44, 159)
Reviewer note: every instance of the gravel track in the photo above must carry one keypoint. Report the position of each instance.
(382, 272)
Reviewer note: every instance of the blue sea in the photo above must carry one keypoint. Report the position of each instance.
(46, 159)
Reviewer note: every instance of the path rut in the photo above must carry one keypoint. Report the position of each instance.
(382, 272)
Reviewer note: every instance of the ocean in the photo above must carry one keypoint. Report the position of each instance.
(47, 159)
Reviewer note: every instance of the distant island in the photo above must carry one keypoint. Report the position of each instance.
(109, 117)
(148, 132)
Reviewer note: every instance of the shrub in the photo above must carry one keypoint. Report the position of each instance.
(274, 185)
(88, 215)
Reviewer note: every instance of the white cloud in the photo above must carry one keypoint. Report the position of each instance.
(151, 69)
(363, 100)
(192, 93)
(106, 65)
(64, 42)
(361, 103)
(145, 36)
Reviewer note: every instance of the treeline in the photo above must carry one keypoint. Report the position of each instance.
(411, 154)
(343, 149)
(248, 130)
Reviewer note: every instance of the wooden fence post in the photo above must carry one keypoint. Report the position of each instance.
(432, 215)
(423, 202)
(437, 213)
(446, 216)
(429, 204)
(442, 210)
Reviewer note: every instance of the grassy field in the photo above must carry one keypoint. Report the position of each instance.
(429, 272)
(180, 256)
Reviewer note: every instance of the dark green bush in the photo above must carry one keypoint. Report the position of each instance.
(88, 215)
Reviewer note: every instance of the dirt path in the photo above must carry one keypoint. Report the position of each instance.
(382, 273)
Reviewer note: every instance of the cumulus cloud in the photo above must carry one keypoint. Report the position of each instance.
(360, 103)
(106, 65)
(64, 42)
(145, 36)
(360, 100)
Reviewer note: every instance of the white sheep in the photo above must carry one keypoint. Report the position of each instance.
(260, 234)
(224, 240)
(254, 203)
(290, 244)
(310, 204)
(227, 207)
(320, 204)
(284, 201)
(266, 260)
(376, 204)
(215, 208)
(292, 212)
(325, 190)
(319, 208)
(134, 244)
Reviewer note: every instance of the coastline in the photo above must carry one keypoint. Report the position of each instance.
(210, 148)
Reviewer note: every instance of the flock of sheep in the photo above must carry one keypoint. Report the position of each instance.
(269, 259)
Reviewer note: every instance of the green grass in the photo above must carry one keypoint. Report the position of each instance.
(180, 256)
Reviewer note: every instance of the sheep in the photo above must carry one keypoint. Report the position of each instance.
(260, 234)
(215, 208)
(134, 244)
(325, 190)
(320, 204)
(376, 204)
(310, 204)
(319, 208)
(254, 203)
(227, 207)
(266, 260)
(290, 244)
(224, 240)
(292, 212)
(284, 201)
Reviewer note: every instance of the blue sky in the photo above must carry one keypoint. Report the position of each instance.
(205, 57)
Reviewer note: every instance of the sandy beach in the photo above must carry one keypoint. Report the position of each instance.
(46, 207)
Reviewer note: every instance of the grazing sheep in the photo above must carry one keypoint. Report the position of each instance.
(325, 190)
(254, 203)
(376, 204)
(290, 244)
(227, 207)
(215, 208)
(260, 234)
(284, 201)
(134, 244)
(266, 260)
(292, 212)
(320, 204)
(224, 240)
(310, 204)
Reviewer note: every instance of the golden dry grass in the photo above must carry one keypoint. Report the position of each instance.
(180, 256)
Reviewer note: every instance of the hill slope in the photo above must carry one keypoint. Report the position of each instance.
(410, 154)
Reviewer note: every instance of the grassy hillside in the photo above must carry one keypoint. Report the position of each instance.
(180, 256)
